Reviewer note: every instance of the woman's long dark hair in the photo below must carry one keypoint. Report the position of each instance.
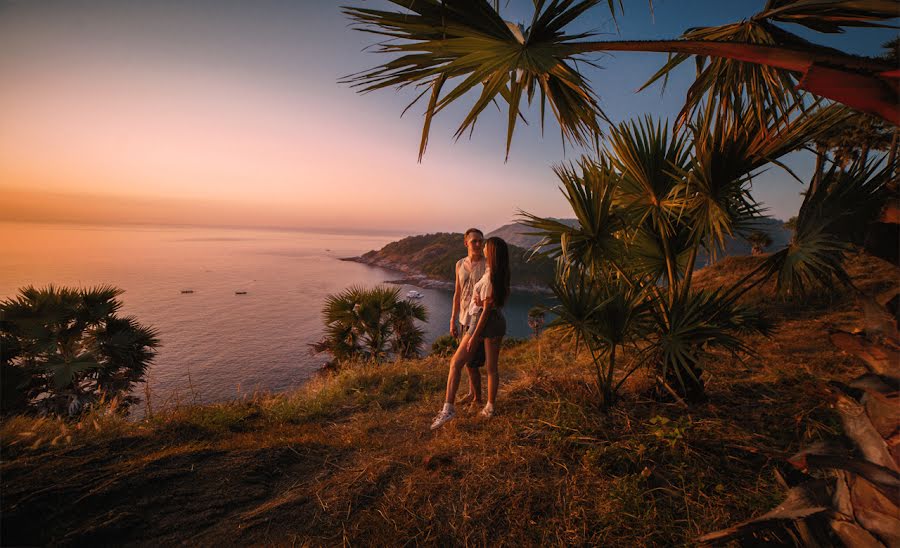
(498, 262)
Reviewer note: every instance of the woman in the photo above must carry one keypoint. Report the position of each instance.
(487, 328)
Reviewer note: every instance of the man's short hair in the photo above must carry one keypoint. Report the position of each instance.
(471, 230)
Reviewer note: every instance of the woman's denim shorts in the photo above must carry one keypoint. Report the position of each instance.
(494, 327)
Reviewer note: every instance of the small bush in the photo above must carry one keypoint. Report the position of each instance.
(445, 345)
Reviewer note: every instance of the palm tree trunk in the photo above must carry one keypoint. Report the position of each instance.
(892, 155)
(671, 267)
(783, 57)
(830, 74)
(689, 270)
(609, 377)
(820, 167)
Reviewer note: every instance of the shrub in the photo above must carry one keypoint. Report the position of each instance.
(64, 349)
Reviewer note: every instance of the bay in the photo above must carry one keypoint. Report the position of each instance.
(216, 344)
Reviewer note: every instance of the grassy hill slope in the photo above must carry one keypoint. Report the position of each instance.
(350, 458)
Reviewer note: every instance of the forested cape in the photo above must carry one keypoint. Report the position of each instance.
(435, 256)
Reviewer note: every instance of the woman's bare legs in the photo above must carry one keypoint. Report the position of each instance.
(492, 359)
(459, 359)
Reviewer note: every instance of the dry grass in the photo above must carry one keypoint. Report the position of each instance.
(350, 458)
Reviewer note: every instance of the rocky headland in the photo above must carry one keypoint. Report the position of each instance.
(428, 261)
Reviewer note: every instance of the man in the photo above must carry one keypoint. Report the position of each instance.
(469, 270)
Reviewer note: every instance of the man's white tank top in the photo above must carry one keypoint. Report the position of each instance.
(469, 273)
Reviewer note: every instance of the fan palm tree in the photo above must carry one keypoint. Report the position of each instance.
(645, 209)
(464, 44)
(407, 338)
(64, 349)
(371, 324)
(607, 316)
(536, 318)
(759, 241)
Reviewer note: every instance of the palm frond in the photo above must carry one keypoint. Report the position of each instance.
(831, 16)
(589, 188)
(834, 216)
(651, 161)
(466, 42)
(729, 149)
(694, 323)
(769, 87)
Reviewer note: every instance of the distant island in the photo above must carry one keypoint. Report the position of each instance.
(428, 261)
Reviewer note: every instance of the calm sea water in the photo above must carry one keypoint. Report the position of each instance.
(222, 344)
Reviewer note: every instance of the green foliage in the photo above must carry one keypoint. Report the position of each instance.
(64, 349)
(607, 314)
(644, 210)
(690, 326)
(833, 217)
(462, 44)
(445, 345)
(371, 324)
(670, 432)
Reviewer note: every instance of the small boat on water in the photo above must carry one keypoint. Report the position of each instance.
(413, 294)
(187, 290)
(240, 292)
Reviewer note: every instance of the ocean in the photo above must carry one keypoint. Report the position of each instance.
(215, 344)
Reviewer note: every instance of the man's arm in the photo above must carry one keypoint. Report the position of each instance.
(457, 296)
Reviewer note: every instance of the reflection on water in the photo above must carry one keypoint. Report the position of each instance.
(228, 343)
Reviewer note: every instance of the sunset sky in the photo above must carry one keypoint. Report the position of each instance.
(229, 113)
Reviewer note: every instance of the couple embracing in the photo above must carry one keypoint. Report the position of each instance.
(482, 287)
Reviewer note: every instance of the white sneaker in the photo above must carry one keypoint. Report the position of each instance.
(442, 418)
(488, 411)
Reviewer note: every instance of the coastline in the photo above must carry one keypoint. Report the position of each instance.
(418, 279)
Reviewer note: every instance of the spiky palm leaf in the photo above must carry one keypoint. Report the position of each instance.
(730, 146)
(831, 16)
(607, 313)
(648, 254)
(589, 188)
(691, 325)
(833, 216)
(651, 162)
(728, 80)
(464, 44)
(408, 338)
